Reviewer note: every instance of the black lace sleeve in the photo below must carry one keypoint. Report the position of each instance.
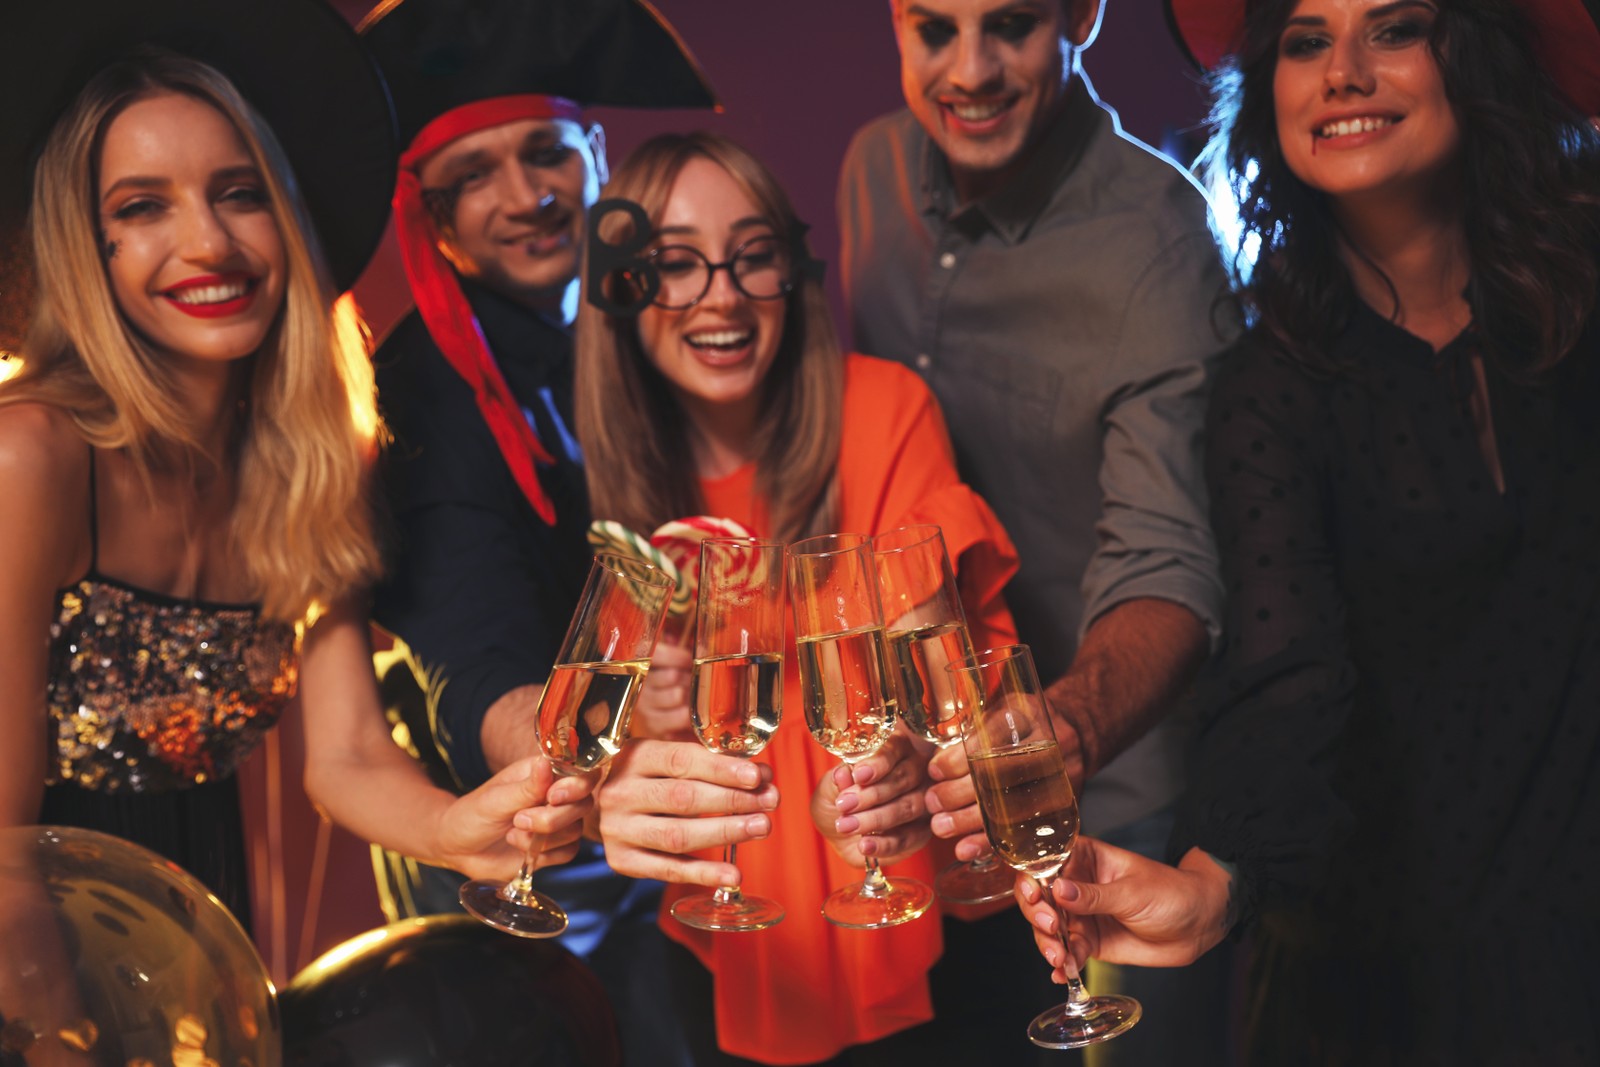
(1279, 696)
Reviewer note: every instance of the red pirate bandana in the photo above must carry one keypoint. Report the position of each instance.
(437, 290)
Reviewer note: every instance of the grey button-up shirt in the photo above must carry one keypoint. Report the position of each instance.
(1067, 323)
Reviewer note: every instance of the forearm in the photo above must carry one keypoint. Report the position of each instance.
(1134, 664)
(384, 800)
(509, 731)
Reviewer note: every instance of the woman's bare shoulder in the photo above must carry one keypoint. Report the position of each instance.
(39, 443)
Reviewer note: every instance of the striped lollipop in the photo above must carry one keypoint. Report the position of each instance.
(679, 540)
(616, 540)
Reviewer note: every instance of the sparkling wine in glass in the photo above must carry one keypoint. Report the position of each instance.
(928, 631)
(583, 713)
(849, 693)
(736, 691)
(1030, 815)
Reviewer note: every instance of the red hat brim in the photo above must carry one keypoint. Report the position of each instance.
(1567, 41)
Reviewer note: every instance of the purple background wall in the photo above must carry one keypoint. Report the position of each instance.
(797, 79)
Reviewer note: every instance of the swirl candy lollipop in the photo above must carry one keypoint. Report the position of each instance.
(616, 540)
(680, 541)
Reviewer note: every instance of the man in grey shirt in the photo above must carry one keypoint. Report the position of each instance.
(1056, 284)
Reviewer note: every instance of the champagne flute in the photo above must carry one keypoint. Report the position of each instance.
(736, 694)
(583, 714)
(928, 631)
(1031, 815)
(849, 695)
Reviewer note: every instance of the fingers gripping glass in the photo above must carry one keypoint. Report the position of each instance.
(737, 693)
(583, 715)
(927, 630)
(1030, 814)
(625, 276)
(849, 695)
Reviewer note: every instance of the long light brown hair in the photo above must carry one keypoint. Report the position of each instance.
(301, 525)
(633, 431)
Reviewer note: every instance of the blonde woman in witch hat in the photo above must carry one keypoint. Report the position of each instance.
(1399, 770)
(184, 455)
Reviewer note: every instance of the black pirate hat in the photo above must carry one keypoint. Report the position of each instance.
(438, 55)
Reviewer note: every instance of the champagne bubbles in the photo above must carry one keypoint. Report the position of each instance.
(114, 956)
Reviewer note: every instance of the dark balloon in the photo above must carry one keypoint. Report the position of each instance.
(447, 991)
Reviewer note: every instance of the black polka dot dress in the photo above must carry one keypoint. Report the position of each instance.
(1401, 748)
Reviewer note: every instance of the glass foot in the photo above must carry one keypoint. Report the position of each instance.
(1096, 1019)
(975, 882)
(708, 912)
(865, 906)
(535, 916)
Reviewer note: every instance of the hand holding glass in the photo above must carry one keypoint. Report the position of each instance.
(583, 714)
(1031, 815)
(849, 695)
(736, 694)
(928, 631)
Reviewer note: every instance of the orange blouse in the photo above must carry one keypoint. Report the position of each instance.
(805, 989)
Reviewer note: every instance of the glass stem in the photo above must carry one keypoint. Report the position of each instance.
(520, 888)
(728, 894)
(1077, 997)
(874, 884)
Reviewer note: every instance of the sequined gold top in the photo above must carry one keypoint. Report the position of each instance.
(149, 693)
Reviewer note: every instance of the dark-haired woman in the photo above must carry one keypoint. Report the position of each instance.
(1399, 779)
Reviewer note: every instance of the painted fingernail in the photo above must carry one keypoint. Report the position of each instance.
(846, 824)
(865, 775)
(847, 802)
(869, 846)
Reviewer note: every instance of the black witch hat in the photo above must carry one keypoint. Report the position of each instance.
(296, 61)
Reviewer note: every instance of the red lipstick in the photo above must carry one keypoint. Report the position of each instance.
(214, 309)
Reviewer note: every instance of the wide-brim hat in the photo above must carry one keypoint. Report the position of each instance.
(298, 62)
(1567, 39)
(438, 55)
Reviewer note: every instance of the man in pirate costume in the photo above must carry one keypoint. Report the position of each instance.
(484, 477)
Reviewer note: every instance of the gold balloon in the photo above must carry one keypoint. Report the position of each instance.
(111, 950)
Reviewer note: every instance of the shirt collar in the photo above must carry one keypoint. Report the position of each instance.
(1012, 209)
(508, 327)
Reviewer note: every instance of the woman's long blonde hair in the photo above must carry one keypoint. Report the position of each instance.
(633, 432)
(302, 525)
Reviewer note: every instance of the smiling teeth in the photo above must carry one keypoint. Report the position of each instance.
(211, 294)
(720, 339)
(1345, 127)
(976, 112)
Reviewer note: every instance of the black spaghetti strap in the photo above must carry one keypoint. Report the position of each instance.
(94, 517)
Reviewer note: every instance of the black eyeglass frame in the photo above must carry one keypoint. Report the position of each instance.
(629, 259)
(779, 244)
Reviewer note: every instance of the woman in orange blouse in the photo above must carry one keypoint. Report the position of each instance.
(744, 408)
